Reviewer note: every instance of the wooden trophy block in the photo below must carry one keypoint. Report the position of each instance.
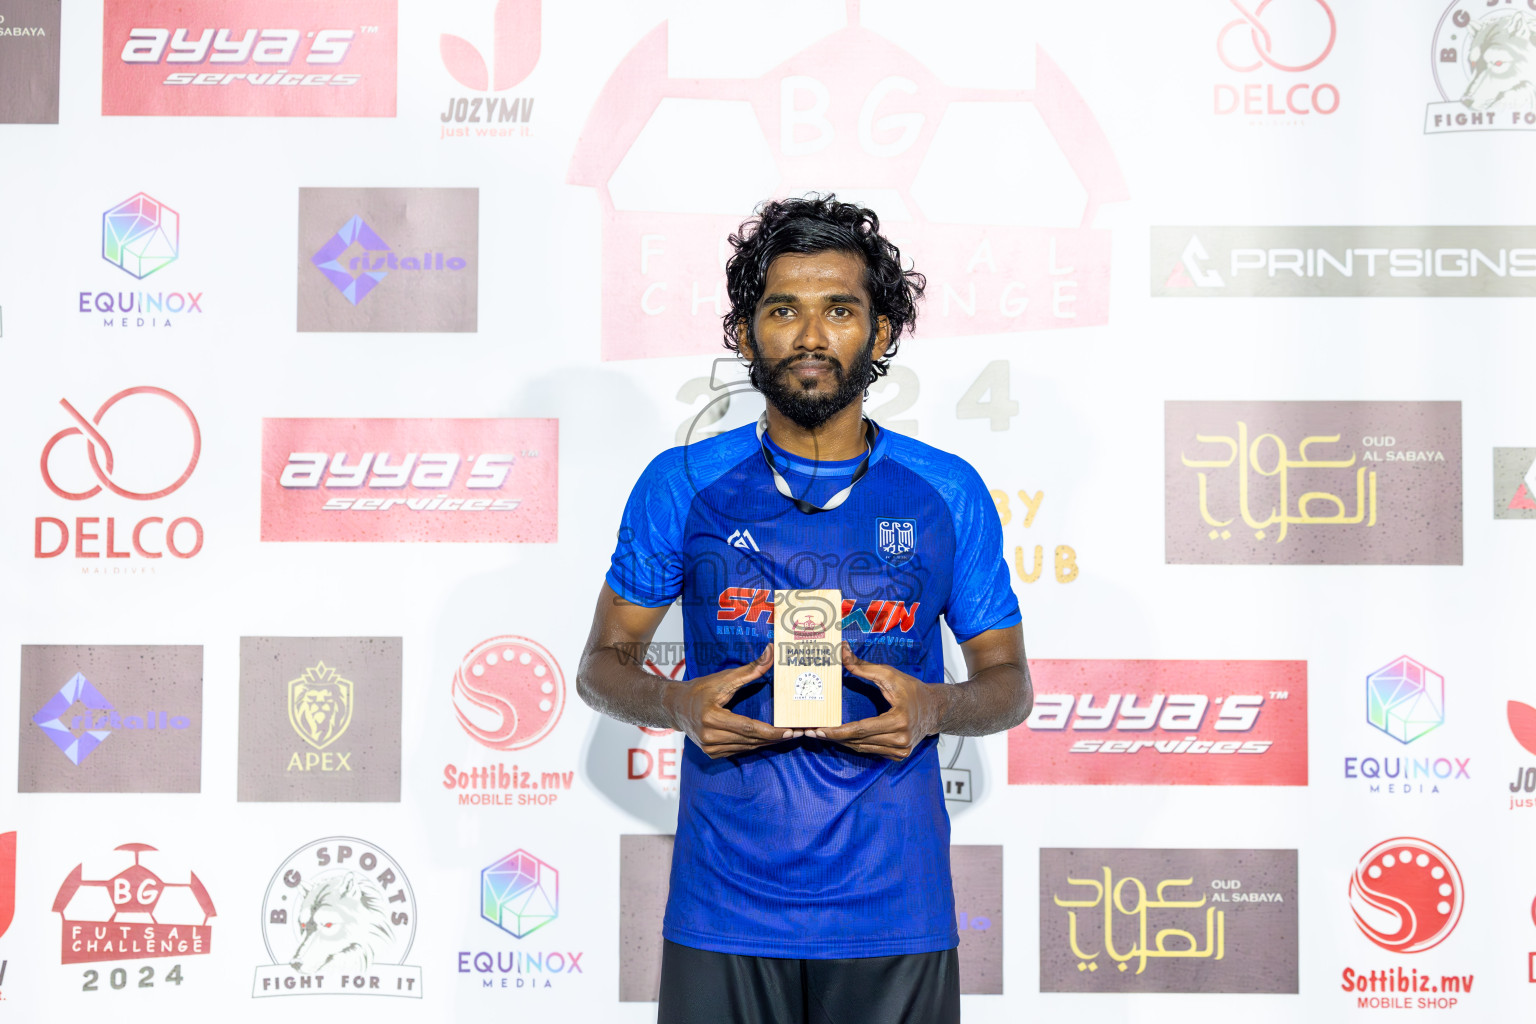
(807, 658)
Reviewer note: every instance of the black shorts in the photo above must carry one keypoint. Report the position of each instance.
(700, 987)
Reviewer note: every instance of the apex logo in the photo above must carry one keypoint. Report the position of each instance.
(753, 605)
(320, 706)
(516, 40)
(742, 539)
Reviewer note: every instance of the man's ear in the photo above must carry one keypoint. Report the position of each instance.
(882, 337)
(744, 343)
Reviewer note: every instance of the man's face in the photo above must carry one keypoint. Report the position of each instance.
(813, 337)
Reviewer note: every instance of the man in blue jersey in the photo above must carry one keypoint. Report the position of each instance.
(810, 877)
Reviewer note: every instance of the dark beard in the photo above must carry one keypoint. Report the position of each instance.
(805, 409)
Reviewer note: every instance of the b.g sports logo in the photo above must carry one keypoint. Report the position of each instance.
(409, 480)
(1203, 723)
(250, 58)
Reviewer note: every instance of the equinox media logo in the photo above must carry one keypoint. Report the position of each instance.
(1405, 699)
(140, 235)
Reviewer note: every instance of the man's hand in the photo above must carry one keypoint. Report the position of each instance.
(915, 713)
(698, 708)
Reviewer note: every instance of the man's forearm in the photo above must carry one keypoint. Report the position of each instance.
(613, 682)
(995, 699)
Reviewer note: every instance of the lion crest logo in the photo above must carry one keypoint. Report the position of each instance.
(320, 705)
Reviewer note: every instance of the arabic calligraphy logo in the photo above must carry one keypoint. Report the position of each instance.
(1260, 42)
(1405, 699)
(515, 55)
(1247, 455)
(508, 693)
(320, 705)
(50, 718)
(140, 235)
(1406, 895)
(100, 451)
(1111, 895)
(354, 232)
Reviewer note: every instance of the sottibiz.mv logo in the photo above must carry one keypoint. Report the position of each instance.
(134, 913)
(1199, 723)
(339, 918)
(409, 480)
(249, 58)
(141, 445)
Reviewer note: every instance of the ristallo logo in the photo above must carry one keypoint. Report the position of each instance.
(389, 259)
(1483, 63)
(508, 695)
(483, 481)
(140, 236)
(1193, 723)
(1017, 250)
(515, 42)
(111, 719)
(1275, 44)
(142, 444)
(138, 912)
(1407, 896)
(249, 58)
(339, 918)
(1405, 699)
(320, 718)
(519, 894)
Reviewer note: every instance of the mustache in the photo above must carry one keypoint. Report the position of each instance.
(788, 361)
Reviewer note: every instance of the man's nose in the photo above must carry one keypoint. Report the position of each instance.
(813, 337)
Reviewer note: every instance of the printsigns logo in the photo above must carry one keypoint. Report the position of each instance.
(1191, 723)
(1514, 483)
(520, 894)
(430, 259)
(1221, 921)
(1405, 699)
(516, 42)
(249, 58)
(134, 914)
(1484, 66)
(29, 61)
(140, 235)
(1330, 261)
(1285, 36)
(1015, 252)
(146, 451)
(320, 705)
(153, 719)
(1313, 483)
(320, 718)
(1406, 895)
(485, 481)
(508, 693)
(339, 918)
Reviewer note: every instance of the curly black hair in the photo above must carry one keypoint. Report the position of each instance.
(813, 224)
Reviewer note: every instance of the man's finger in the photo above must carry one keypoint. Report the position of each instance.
(741, 725)
(861, 729)
(734, 679)
(874, 672)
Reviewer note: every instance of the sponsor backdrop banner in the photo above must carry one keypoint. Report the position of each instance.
(335, 333)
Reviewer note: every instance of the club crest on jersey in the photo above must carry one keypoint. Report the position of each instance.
(896, 539)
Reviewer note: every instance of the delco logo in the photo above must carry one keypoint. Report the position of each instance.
(1180, 712)
(756, 606)
(1204, 723)
(409, 480)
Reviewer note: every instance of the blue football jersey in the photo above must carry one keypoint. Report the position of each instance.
(806, 848)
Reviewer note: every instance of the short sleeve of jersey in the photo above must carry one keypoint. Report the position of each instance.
(647, 566)
(981, 594)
